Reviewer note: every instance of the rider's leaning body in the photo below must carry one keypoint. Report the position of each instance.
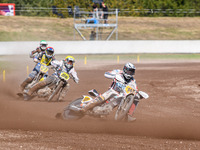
(60, 66)
(116, 85)
(42, 58)
(41, 48)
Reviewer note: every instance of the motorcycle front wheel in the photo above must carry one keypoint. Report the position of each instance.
(124, 107)
(55, 91)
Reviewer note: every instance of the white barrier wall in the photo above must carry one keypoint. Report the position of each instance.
(104, 47)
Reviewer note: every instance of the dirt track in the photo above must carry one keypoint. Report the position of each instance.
(169, 119)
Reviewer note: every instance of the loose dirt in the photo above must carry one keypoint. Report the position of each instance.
(169, 119)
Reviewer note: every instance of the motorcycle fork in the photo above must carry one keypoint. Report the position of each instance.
(133, 107)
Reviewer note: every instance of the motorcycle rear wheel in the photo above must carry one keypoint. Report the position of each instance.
(123, 109)
(70, 114)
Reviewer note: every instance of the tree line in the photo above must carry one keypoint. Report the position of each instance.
(125, 7)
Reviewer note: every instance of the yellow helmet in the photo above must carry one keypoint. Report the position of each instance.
(69, 61)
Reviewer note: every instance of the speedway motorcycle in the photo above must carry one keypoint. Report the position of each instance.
(55, 88)
(39, 77)
(61, 81)
(123, 102)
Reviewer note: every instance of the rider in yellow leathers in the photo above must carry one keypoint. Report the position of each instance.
(45, 57)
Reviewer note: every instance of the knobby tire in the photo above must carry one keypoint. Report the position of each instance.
(70, 114)
(55, 91)
(123, 110)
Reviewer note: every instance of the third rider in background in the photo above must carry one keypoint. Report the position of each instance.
(41, 48)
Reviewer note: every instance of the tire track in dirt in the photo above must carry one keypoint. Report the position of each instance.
(40, 116)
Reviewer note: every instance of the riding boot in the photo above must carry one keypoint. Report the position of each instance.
(36, 87)
(93, 103)
(130, 117)
(25, 83)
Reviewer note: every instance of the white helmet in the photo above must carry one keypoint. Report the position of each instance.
(43, 45)
(129, 70)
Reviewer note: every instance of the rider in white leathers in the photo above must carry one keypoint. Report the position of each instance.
(126, 77)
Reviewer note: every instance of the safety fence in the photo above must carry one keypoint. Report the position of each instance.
(105, 47)
(40, 9)
(47, 11)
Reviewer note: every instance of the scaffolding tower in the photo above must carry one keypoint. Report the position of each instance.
(92, 26)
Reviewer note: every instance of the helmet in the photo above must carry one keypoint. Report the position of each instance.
(49, 52)
(43, 45)
(69, 61)
(128, 70)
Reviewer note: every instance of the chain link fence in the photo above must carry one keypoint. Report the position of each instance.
(69, 12)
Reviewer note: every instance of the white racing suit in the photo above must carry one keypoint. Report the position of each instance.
(59, 65)
(114, 90)
(50, 80)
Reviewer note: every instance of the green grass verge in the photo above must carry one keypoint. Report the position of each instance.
(23, 28)
(135, 56)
